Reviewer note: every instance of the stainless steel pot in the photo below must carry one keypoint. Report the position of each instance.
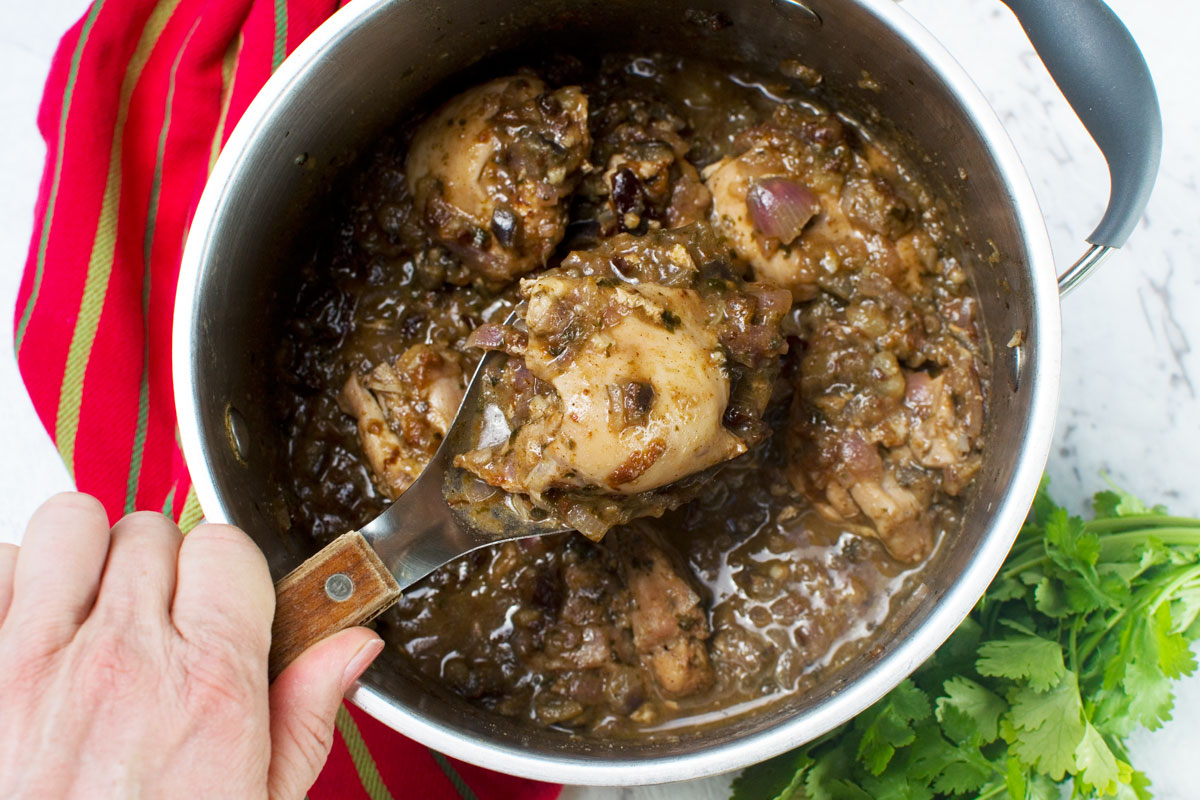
(372, 60)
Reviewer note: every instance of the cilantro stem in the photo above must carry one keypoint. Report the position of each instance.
(1094, 640)
(997, 790)
(1142, 521)
(1170, 536)
(1166, 588)
(1072, 651)
(1174, 586)
(1021, 566)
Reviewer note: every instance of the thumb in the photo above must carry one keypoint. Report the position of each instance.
(304, 700)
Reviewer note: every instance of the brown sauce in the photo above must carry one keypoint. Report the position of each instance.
(782, 552)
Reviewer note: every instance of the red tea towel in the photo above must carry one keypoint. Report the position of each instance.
(140, 98)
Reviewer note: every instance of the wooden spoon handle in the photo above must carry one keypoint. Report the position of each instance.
(343, 585)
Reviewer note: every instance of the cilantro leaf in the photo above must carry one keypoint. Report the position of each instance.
(964, 776)
(888, 725)
(1032, 658)
(1134, 785)
(1175, 658)
(1116, 502)
(1105, 504)
(1149, 695)
(1185, 610)
(966, 699)
(1023, 785)
(1050, 600)
(1015, 778)
(776, 779)
(1095, 764)
(1076, 550)
(896, 785)
(928, 755)
(1048, 725)
(1042, 788)
(1069, 542)
(826, 780)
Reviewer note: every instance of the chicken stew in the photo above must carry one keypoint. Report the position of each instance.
(745, 363)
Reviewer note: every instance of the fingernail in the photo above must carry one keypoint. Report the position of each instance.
(362, 659)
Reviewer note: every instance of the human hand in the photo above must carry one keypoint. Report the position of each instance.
(133, 663)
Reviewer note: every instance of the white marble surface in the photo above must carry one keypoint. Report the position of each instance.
(1130, 370)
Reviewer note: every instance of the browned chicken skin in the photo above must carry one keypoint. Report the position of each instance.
(637, 371)
(492, 170)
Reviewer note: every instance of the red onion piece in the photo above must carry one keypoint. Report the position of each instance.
(780, 207)
(491, 336)
(771, 300)
(918, 392)
(858, 456)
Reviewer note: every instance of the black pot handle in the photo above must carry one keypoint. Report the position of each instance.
(1100, 70)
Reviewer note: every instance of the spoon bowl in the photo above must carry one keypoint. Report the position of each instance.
(361, 573)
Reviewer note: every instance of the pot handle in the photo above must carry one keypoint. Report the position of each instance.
(1098, 67)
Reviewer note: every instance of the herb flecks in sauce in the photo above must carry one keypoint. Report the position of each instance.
(850, 351)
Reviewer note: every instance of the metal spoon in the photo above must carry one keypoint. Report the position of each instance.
(361, 573)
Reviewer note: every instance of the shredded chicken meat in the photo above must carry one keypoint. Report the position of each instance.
(404, 410)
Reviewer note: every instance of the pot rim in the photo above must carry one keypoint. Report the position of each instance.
(1008, 513)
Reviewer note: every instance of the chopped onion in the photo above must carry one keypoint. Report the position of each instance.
(476, 491)
(490, 336)
(771, 300)
(780, 207)
(860, 457)
(586, 522)
(918, 391)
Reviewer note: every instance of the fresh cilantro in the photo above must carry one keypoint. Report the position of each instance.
(1046, 726)
(888, 725)
(1037, 660)
(969, 711)
(1072, 647)
(1095, 764)
(778, 779)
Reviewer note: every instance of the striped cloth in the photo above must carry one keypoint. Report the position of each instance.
(141, 96)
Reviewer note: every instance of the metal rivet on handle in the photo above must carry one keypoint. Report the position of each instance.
(339, 587)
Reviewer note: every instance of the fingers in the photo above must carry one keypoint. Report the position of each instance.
(223, 593)
(8, 562)
(58, 571)
(304, 701)
(139, 577)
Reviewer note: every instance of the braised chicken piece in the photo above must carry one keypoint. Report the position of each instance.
(626, 378)
(639, 389)
(799, 203)
(670, 627)
(403, 411)
(887, 415)
(492, 170)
